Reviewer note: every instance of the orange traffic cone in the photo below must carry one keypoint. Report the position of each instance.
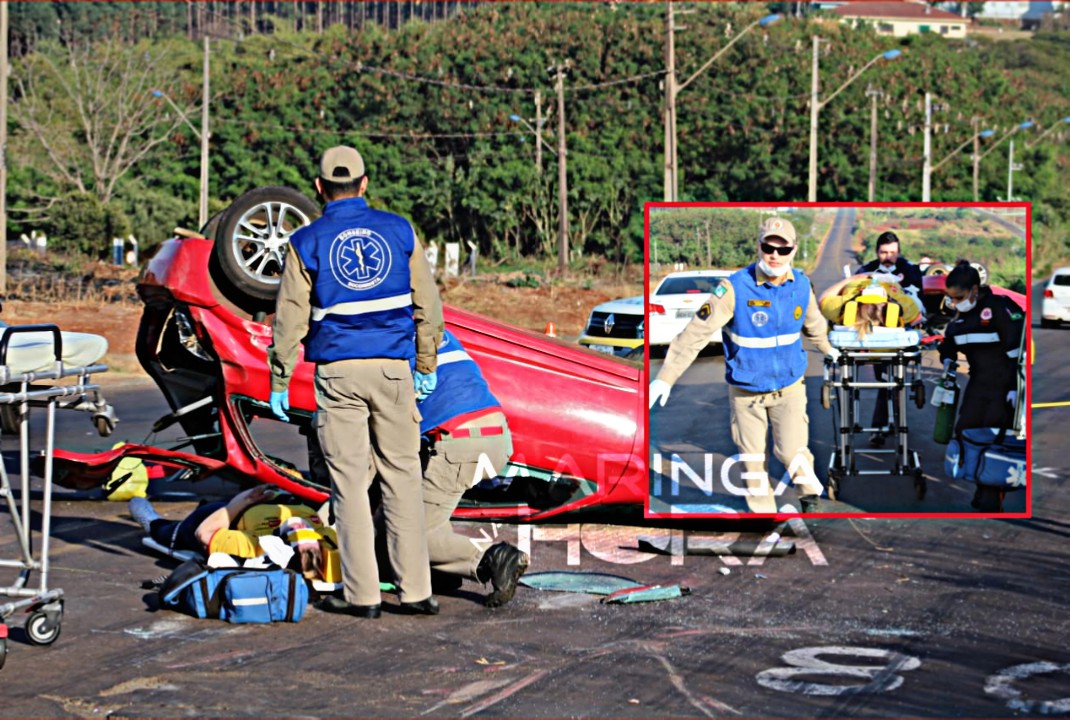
(550, 330)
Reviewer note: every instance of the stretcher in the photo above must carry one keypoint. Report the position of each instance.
(898, 350)
(42, 367)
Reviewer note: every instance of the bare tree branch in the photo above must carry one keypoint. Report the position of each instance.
(87, 112)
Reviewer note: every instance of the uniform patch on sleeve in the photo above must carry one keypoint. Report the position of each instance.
(1017, 316)
(704, 312)
(720, 290)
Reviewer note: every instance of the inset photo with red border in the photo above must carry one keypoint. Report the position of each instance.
(838, 360)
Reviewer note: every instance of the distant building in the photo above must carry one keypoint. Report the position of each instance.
(899, 19)
(1024, 14)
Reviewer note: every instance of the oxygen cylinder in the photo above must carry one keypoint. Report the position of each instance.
(945, 414)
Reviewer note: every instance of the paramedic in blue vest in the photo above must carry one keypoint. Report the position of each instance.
(356, 289)
(467, 438)
(765, 309)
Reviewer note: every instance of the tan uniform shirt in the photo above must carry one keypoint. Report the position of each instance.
(293, 307)
(686, 346)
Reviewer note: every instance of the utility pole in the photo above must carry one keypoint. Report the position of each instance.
(976, 159)
(927, 166)
(815, 106)
(670, 105)
(1010, 172)
(3, 147)
(562, 176)
(538, 129)
(873, 93)
(204, 141)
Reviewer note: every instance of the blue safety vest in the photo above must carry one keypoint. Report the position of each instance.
(358, 260)
(763, 341)
(461, 388)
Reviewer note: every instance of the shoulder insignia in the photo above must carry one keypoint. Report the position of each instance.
(720, 290)
(704, 312)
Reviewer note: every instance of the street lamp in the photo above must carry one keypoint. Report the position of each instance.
(1010, 156)
(672, 171)
(203, 135)
(1047, 132)
(540, 141)
(816, 105)
(976, 161)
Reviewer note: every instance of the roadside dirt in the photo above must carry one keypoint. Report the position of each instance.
(528, 307)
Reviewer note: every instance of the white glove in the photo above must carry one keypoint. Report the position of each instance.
(833, 355)
(659, 391)
(1012, 397)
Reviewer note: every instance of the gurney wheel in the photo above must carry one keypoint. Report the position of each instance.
(826, 396)
(104, 425)
(38, 631)
(919, 487)
(919, 394)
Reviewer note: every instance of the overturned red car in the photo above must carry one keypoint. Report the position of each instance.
(576, 415)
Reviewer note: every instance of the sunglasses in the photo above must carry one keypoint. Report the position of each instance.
(782, 251)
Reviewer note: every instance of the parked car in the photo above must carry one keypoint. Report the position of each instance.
(676, 299)
(615, 327)
(1055, 308)
(576, 416)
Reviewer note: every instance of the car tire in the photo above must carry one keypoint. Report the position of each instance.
(250, 244)
(1045, 323)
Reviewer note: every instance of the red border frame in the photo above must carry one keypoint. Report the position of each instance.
(1028, 207)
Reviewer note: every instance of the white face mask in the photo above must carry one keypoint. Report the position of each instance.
(888, 268)
(773, 271)
(966, 305)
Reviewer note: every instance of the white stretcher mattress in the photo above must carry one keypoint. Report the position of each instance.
(33, 351)
(878, 339)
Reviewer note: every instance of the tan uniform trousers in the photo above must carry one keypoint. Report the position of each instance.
(785, 412)
(367, 412)
(451, 470)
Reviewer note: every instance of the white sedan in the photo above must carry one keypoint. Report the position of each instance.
(1055, 308)
(676, 299)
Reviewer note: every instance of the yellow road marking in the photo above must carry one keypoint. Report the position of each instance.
(1051, 404)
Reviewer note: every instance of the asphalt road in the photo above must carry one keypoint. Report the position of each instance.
(702, 393)
(870, 618)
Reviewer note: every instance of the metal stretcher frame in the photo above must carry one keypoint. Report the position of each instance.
(841, 391)
(44, 605)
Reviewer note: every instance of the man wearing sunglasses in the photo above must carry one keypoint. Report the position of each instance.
(765, 309)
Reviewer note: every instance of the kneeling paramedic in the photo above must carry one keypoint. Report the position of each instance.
(765, 309)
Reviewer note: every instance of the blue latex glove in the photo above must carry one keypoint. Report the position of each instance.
(280, 402)
(425, 383)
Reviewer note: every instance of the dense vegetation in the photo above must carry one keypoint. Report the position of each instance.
(429, 105)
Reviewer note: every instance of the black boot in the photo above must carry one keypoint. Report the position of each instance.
(502, 565)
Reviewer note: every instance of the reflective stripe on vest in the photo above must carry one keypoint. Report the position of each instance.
(362, 307)
(769, 342)
(977, 338)
(453, 356)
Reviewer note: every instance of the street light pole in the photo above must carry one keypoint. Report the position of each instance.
(1016, 128)
(3, 147)
(670, 105)
(562, 176)
(204, 141)
(1010, 171)
(874, 94)
(816, 104)
(1047, 132)
(672, 91)
(927, 161)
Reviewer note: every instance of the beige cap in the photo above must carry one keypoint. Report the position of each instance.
(777, 227)
(341, 164)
